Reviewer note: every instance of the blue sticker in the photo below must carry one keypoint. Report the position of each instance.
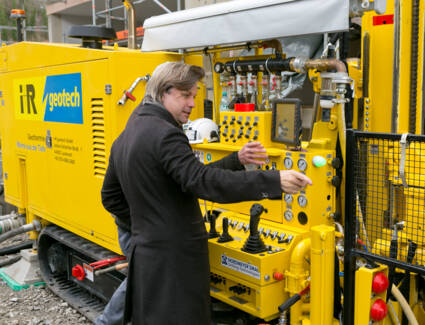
(63, 99)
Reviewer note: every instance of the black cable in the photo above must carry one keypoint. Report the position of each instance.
(12, 249)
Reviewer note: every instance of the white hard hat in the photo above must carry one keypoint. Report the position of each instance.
(200, 129)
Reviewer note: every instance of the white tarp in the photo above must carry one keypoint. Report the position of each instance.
(243, 20)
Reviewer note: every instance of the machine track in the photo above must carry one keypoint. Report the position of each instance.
(57, 251)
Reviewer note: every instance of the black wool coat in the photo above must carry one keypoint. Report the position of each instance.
(154, 176)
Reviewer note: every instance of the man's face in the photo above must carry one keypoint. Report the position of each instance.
(180, 103)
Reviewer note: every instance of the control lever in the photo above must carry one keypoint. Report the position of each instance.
(225, 236)
(213, 216)
(393, 254)
(254, 244)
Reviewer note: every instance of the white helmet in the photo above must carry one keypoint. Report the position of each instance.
(200, 129)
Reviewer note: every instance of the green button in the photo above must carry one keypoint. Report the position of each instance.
(319, 161)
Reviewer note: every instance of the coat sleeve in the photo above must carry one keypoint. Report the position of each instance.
(214, 184)
(229, 162)
(113, 198)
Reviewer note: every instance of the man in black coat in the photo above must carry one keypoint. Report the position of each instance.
(154, 177)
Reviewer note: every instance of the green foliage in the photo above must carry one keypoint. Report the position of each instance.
(35, 16)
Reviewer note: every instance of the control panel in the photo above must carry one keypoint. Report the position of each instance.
(305, 209)
(238, 128)
(248, 257)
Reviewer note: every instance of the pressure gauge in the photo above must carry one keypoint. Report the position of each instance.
(287, 162)
(302, 164)
(288, 215)
(302, 201)
(288, 198)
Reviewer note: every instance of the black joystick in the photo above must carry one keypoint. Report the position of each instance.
(225, 236)
(254, 244)
(213, 233)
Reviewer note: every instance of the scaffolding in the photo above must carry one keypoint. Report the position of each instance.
(108, 16)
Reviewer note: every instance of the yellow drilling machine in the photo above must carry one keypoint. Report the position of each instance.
(333, 89)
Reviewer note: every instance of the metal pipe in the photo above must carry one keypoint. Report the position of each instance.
(302, 65)
(131, 13)
(297, 64)
(162, 6)
(112, 268)
(93, 12)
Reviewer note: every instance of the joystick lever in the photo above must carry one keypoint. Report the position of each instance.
(225, 236)
(254, 244)
(213, 216)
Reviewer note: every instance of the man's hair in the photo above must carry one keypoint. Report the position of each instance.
(169, 75)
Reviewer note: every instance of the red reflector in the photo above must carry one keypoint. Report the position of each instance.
(379, 310)
(383, 20)
(379, 282)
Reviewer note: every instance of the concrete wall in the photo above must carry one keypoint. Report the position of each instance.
(59, 26)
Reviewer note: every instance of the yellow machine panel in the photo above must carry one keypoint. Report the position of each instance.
(65, 117)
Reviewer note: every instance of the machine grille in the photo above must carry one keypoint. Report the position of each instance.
(386, 198)
(98, 137)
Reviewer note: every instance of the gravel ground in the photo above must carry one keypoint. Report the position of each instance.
(36, 305)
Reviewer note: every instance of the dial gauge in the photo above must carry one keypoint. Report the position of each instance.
(302, 201)
(288, 198)
(287, 162)
(288, 215)
(302, 164)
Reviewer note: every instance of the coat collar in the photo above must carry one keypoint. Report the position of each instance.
(156, 109)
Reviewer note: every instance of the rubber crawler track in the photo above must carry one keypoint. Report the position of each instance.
(79, 298)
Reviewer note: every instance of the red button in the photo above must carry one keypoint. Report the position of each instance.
(379, 310)
(379, 283)
(278, 276)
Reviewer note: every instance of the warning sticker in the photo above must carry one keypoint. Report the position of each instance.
(89, 272)
(239, 266)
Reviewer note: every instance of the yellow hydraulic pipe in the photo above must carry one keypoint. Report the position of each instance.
(322, 274)
(297, 276)
(131, 13)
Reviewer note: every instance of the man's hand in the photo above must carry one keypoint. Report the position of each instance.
(292, 181)
(251, 153)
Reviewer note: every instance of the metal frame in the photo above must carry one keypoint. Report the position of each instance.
(351, 252)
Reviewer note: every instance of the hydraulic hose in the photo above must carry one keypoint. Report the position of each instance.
(35, 225)
(8, 216)
(10, 261)
(11, 222)
(12, 249)
(404, 305)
